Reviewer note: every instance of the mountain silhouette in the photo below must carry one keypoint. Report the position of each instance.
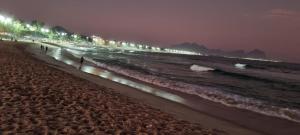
(194, 47)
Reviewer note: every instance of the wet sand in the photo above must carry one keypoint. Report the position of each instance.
(39, 99)
(160, 98)
(180, 105)
(210, 115)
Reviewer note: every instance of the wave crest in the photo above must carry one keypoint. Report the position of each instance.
(206, 92)
(198, 68)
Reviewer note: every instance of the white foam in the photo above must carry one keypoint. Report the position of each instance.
(240, 66)
(209, 93)
(198, 68)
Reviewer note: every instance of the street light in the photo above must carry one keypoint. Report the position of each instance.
(111, 42)
(75, 36)
(28, 25)
(45, 30)
(124, 43)
(32, 29)
(8, 20)
(5, 20)
(132, 44)
(2, 18)
(62, 34)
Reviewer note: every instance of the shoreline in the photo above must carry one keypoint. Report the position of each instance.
(207, 111)
(37, 98)
(178, 110)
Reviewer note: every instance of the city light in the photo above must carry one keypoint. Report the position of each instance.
(98, 40)
(32, 29)
(155, 48)
(45, 30)
(5, 20)
(2, 18)
(124, 44)
(62, 34)
(111, 42)
(75, 36)
(8, 20)
(132, 44)
(28, 25)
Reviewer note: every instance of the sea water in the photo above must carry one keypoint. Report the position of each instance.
(266, 87)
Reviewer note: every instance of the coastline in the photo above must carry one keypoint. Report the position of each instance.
(207, 116)
(238, 117)
(37, 98)
(177, 110)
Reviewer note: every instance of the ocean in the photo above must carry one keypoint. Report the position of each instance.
(267, 87)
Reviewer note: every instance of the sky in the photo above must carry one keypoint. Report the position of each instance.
(269, 25)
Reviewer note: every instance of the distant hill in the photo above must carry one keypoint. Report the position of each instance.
(194, 47)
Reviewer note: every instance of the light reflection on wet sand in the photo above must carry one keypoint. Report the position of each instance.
(214, 113)
(57, 53)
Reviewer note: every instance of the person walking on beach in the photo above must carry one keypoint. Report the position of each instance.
(81, 62)
(42, 48)
(46, 49)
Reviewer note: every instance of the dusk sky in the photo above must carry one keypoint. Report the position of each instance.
(270, 25)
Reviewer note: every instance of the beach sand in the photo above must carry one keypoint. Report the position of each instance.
(39, 99)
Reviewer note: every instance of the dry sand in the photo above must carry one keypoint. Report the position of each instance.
(38, 99)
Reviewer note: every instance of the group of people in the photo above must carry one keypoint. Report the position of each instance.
(43, 48)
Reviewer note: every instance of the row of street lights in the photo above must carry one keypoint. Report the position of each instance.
(9, 21)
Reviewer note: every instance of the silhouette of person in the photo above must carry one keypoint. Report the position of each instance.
(46, 49)
(81, 62)
(42, 48)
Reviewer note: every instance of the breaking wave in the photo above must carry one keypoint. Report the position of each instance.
(206, 92)
(198, 68)
(209, 93)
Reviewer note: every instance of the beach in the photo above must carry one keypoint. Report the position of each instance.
(39, 99)
(181, 105)
(148, 75)
(44, 95)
